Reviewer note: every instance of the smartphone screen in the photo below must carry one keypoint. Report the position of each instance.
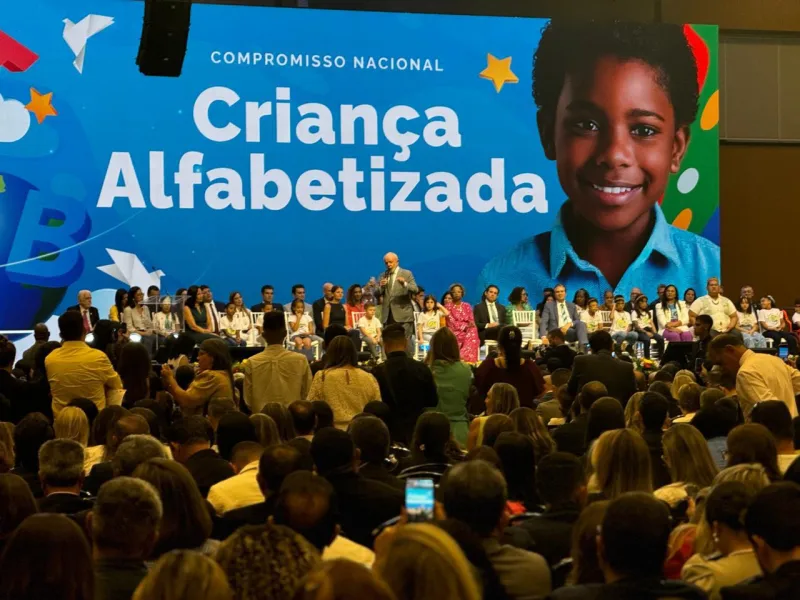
(783, 351)
(419, 500)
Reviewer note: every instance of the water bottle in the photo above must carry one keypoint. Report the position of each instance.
(639, 350)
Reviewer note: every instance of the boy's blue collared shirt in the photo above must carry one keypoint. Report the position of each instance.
(671, 256)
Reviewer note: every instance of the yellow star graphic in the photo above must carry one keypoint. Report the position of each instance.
(499, 72)
(41, 105)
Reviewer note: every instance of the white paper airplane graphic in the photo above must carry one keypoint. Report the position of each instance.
(128, 269)
(77, 35)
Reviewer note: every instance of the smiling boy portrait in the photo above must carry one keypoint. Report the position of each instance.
(615, 105)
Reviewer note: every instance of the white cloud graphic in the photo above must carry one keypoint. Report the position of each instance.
(15, 120)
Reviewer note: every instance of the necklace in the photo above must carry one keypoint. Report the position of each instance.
(714, 302)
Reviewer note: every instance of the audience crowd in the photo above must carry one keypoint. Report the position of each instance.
(570, 463)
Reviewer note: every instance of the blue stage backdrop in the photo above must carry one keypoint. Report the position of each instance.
(299, 146)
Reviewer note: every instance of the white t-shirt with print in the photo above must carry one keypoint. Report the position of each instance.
(431, 322)
(772, 317)
(718, 310)
(747, 322)
(372, 326)
(643, 321)
(303, 328)
(620, 321)
(593, 323)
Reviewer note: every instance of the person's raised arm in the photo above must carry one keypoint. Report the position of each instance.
(295, 325)
(734, 317)
(445, 312)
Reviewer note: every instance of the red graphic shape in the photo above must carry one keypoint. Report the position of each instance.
(701, 54)
(14, 56)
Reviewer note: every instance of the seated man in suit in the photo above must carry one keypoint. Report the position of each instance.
(562, 315)
(61, 475)
(89, 313)
(600, 365)
(490, 315)
(557, 355)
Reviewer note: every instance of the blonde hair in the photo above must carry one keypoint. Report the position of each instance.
(752, 475)
(687, 456)
(341, 578)
(504, 398)
(631, 408)
(621, 462)
(72, 424)
(184, 575)
(422, 562)
(528, 423)
(682, 377)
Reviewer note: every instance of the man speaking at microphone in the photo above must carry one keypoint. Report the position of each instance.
(398, 288)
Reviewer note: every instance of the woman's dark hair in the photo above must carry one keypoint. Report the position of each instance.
(104, 423)
(510, 340)
(471, 545)
(335, 289)
(184, 344)
(48, 556)
(118, 297)
(162, 413)
(518, 458)
(689, 290)
(180, 291)
(579, 292)
(186, 523)
(459, 286)
(132, 295)
(221, 355)
(29, 434)
(105, 334)
(605, 414)
(89, 408)
(323, 413)
(38, 360)
(341, 352)
(485, 453)
(134, 370)
(232, 296)
(283, 419)
(191, 296)
(662, 299)
(431, 436)
(727, 504)
(16, 504)
(570, 47)
(350, 294)
(753, 443)
(234, 427)
(444, 346)
(445, 295)
(515, 297)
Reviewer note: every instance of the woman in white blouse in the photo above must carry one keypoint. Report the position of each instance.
(137, 318)
(748, 325)
(643, 325)
(242, 320)
(672, 317)
(773, 326)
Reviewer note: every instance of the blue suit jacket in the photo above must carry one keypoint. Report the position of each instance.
(549, 320)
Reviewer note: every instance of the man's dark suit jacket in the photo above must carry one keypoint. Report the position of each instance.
(380, 473)
(317, 308)
(571, 437)
(562, 353)
(208, 468)
(481, 313)
(100, 474)
(364, 504)
(255, 514)
(64, 504)
(551, 533)
(616, 375)
(407, 387)
(117, 579)
(94, 315)
(19, 394)
(783, 584)
(661, 476)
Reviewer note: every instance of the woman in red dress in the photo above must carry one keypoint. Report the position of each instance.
(462, 323)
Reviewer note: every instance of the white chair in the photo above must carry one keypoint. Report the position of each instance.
(355, 317)
(315, 346)
(526, 321)
(255, 336)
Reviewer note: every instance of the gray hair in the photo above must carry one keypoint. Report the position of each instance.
(61, 462)
(126, 516)
(134, 450)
